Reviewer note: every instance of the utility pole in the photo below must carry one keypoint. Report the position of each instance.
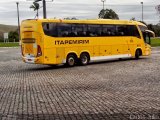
(103, 6)
(142, 10)
(44, 9)
(18, 20)
(103, 3)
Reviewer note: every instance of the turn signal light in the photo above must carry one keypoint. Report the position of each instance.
(39, 51)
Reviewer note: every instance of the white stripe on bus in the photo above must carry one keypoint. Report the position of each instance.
(102, 58)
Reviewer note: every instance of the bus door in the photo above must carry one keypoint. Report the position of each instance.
(133, 39)
(127, 47)
(123, 39)
(146, 38)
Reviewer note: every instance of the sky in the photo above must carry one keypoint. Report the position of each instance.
(81, 9)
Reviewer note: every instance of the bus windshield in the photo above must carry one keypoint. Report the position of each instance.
(143, 28)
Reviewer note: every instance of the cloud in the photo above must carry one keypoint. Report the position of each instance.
(82, 9)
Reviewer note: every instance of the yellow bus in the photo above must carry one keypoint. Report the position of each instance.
(71, 42)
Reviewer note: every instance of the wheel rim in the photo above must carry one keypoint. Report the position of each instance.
(71, 61)
(84, 60)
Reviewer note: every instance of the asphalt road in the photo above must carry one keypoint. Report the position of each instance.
(112, 90)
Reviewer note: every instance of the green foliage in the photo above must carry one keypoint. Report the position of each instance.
(155, 42)
(1, 39)
(143, 22)
(108, 14)
(133, 18)
(68, 18)
(9, 44)
(13, 36)
(35, 7)
(6, 29)
(155, 29)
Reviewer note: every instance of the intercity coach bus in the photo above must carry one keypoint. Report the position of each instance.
(71, 42)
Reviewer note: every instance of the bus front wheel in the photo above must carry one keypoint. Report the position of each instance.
(84, 59)
(137, 54)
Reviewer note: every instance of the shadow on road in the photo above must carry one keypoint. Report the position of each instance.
(63, 66)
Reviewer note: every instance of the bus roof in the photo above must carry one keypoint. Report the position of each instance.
(95, 21)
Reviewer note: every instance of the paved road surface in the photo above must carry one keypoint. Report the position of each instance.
(114, 90)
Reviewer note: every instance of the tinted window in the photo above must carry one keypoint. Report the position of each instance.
(84, 30)
(122, 30)
(143, 28)
(79, 30)
(109, 30)
(133, 31)
(64, 30)
(50, 29)
(94, 30)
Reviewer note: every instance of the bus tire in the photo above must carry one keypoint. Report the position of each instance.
(84, 59)
(137, 54)
(71, 60)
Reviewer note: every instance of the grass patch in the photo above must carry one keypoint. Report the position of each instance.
(155, 42)
(9, 44)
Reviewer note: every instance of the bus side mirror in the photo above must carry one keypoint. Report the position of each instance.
(151, 33)
(148, 38)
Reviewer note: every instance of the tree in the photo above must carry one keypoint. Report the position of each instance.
(151, 27)
(35, 7)
(73, 18)
(13, 36)
(133, 18)
(155, 29)
(108, 14)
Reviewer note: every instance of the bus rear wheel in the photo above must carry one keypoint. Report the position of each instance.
(84, 59)
(71, 60)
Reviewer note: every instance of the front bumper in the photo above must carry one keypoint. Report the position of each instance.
(147, 50)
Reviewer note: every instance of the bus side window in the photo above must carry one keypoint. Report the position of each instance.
(64, 30)
(45, 28)
(136, 32)
(77, 30)
(50, 29)
(94, 30)
(133, 31)
(109, 30)
(122, 30)
(104, 30)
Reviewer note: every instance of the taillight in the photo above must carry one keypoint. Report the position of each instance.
(22, 50)
(39, 51)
